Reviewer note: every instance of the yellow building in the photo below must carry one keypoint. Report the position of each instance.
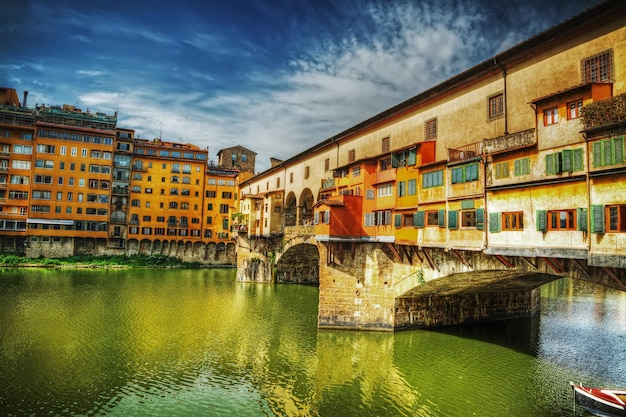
(166, 195)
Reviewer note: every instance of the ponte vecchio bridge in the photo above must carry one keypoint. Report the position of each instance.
(457, 204)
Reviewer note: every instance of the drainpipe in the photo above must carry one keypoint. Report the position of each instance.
(506, 117)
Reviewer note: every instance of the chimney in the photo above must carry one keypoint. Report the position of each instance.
(25, 97)
(275, 161)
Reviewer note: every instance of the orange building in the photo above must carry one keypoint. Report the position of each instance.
(17, 130)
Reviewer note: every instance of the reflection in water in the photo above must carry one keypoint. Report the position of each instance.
(195, 342)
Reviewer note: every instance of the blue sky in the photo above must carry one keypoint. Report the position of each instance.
(275, 76)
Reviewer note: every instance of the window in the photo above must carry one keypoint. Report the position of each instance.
(356, 171)
(404, 158)
(291, 178)
(432, 179)
(466, 173)
(562, 220)
(496, 106)
(468, 218)
(45, 148)
(411, 187)
(502, 170)
(550, 116)
(401, 188)
(385, 145)
(598, 68)
(384, 190)
(522, 166)
(608, 152)
(326, 165)
(408, 220)
(512, 221)
(306, 172)
(574, 108)
(616, 218)
(568, 160)
(224, 208)
(430, 128)
(351, 155)
(227, 194)
(25, 150)
(434, 217)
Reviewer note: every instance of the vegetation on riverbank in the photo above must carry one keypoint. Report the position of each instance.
(91, 261)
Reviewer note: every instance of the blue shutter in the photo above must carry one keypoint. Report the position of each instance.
(453, 217)
(494, 222)
(418, 219)
(480, 219)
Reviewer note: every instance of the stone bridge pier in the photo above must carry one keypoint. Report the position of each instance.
(387, 287)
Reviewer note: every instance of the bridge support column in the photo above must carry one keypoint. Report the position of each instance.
(356, 288)
(253, 267)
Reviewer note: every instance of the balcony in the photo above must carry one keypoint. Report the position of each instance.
(328, 183)
(387, 175)
(508, 142)
(465, 153)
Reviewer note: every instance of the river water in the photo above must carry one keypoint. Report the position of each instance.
(198, 343)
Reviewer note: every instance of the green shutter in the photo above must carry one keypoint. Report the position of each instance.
(607, 153)
(398, 221)
(480, 219)
(581, 218)
(494, 222)
(467, 204)
(471, 172)
(442, 218)
(578, 159)
(522, 167)
(597, 219)
(618, 150)
(542, 224)
(568, 160)
(453, 217)
(457, 175)
(412, 157)
(394, 160)
(597, 154)
(550, 164)
(418, 219)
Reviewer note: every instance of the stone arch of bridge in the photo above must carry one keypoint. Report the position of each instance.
(298, 263)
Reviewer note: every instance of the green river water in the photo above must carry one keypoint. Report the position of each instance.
(198, 343)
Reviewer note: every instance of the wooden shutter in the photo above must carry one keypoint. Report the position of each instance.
(442, 218)
(453, 219)
(398, 221)
(542, 224)
(418, 219)
(597, 154)
(581, 219)
(597, 219)
(412, 157)
(578, 159)
(494, 222)
(480, 219)
(618, 150)
(568, 160)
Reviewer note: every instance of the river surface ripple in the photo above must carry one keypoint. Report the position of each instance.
(198, 343)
